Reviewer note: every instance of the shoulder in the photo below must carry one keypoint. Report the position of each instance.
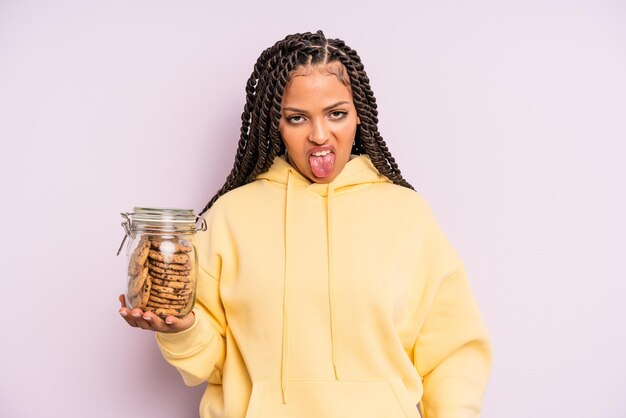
(242, 193)
(403, 196)
(238, 199)
(405, 206)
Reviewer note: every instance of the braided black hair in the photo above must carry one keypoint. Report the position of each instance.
(260, 140)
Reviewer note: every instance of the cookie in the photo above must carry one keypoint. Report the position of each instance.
(172, 275)
(171, 296)
(164, 312)
(162, 289)
(176, 258)
(135, 283)
(174, 284)
(169, 247)
(153, 304)
(162, 267)
(144, 294)
(155, 300)
(139, 256)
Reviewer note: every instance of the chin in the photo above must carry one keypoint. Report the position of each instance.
(323, 181)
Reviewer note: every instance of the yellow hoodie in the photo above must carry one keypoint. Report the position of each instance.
(334, 300)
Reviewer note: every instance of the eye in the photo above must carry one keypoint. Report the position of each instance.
(338, 114)
(295, 119)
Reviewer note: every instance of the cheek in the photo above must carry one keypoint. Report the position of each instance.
(347, 134)
(281, 127)
(284, 132)
(291, 137)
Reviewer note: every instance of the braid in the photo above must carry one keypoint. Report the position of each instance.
(260, 141)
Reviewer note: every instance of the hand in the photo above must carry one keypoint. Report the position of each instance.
(149, 321)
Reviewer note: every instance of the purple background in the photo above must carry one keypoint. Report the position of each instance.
(509, 117)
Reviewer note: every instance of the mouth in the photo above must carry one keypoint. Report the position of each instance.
(321, 153)
(322, 162)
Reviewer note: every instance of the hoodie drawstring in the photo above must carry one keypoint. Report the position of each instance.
(331, 277)
(284, 371)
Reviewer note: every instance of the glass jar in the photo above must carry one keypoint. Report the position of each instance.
(161, 260)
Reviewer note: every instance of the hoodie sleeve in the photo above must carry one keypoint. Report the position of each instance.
(452, 352)
(198, 352)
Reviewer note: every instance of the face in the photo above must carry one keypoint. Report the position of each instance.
(318, 123)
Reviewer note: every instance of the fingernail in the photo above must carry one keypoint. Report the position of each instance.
(123, 313)
(168, 321)
(136, 315)
(147, 318)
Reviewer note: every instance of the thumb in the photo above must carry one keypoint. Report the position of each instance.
(180, 324)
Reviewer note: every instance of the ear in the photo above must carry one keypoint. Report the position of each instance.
(358, 120)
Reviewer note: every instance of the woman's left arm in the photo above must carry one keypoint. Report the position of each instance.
(452, 352)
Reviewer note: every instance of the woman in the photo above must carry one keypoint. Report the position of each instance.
(326, 288)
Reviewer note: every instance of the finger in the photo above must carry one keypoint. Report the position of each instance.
(167, 324)
(156, 323)
(175, 324)
(125, 312)
(137, 314)
(130, 320)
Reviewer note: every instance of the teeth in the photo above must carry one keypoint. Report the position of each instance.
(319, 154)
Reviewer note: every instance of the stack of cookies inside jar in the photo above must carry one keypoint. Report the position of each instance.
(161, 276)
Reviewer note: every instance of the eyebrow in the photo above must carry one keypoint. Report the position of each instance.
(295, 109)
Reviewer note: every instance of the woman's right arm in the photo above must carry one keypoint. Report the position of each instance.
(196, 343)
(198, 352)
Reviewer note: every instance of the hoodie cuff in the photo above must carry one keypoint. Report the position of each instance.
(187, 342)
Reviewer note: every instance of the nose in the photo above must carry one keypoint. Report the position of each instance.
(319, 132)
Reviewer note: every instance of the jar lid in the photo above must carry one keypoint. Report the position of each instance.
(162, 220)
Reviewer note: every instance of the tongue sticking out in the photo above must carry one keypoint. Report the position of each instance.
(322, 166)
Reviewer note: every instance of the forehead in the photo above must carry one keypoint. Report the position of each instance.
(314, 84)
(333, 68)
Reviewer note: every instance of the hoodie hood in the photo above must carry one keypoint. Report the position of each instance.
(358, 172)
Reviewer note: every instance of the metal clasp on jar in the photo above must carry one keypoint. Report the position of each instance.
(203, 226)
(127, 229)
